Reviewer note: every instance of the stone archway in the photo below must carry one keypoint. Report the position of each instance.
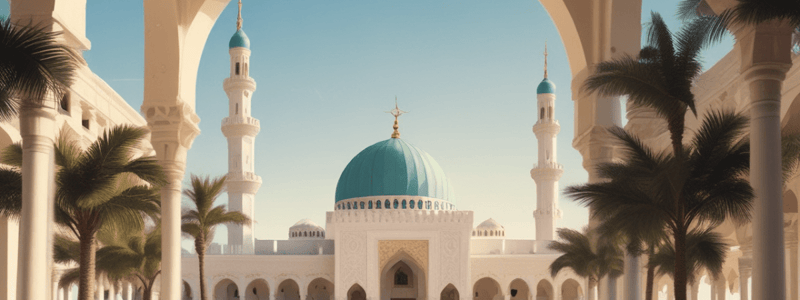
(544, 290)
(518, 289)
(450, 292)
(487, 289)
(226, 289)
(356, 292)
(288, 290)
(320, 289)
(257, 290)
(403, 278)
(571, 290)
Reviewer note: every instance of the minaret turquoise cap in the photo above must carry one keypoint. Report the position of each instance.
(239, 39)
(546, 86)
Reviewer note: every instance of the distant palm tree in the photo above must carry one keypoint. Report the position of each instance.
(708, 183)
(201, 222)
(585, 258)
(102, 185)
(32, 63)
(704, 250)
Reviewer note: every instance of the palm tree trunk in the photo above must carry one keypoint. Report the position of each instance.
(200, 247)
(651, 274)
(680, 263)
(87, 264)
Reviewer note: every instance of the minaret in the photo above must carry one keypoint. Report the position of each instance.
(547, 171)
(240, 129)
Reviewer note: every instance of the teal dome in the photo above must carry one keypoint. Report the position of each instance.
(239, 39)
(393, 167)
(546, 87)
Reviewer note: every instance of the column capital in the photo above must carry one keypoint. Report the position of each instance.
(766, 43)
(173, 128)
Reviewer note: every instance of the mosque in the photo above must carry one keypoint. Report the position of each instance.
(394, 232)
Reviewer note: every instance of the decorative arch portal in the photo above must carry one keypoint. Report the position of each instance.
(518, 289)
(356, 292)
(403, 278)
(544, 290)
(226, 289)
(571, 290)
(288, 290)
(450, 292)
(186, 294)
(320, 289)
(257, 290)
(487, 289)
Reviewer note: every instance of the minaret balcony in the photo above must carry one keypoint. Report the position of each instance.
(243, 182)
(548, 171)
(546, 126)
(239, 83)
(240, 126)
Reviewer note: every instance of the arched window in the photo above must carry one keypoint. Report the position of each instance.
(378, 204)
(362, 204)
(411, 203)
(305, 233)
(419, 204)
(396, 204)
(427, 205)
(485, 233)
(404, 203)
(237, 108)
(348, 205)
(491, 233)
(400, 278)
(541, 113)
(237, 68)
(436, 205)
(387, 204)
(323, 234)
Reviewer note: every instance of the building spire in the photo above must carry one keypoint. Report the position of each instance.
(545, 58)
(239, 18)
(396, 112)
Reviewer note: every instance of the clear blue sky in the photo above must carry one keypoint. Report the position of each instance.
(327, 70)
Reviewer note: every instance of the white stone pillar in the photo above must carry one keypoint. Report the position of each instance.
(126, 291)
(37, 128)
(171, 232)
(54, 287)
(745, 271)
(100, 289)
(632, 278)
(112, 290)
(9, 241)
(67, 290)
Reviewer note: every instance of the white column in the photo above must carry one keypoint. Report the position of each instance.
(9, 241)
(112, 290)
(100, 290)
(37, 128)
(632, 278)
(171, 232)
(67, 290)
(745, 270)
(126, 291)
(54, 288)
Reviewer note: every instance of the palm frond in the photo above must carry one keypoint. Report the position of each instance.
(11, 196)
(34, 64)
(12, 155)
(69, 277)
(790, 156)
(756, 11)
(66, 250)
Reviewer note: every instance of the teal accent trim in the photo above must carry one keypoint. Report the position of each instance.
(393, 167)
(546, 87)
(239, 39)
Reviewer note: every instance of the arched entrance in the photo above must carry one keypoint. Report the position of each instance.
(519, 290)
(288, 290)
(449, 293)
(402, 279)
(487, 289)
(226, 289)
(356, 292)
(320, 289)
(257, 290)
(544, 290)
(571, 290)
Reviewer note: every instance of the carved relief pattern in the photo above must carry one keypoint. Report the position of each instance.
(450, 253)
(418, 250)
(354, 261)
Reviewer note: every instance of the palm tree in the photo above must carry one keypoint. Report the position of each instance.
(585, 258)
(33, 64)
(134, 257)
(704, 250)
(745, 12)
(201, 223)
(102, 185)
(707, 181)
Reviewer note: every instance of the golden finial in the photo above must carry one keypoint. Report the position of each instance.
(239, 18)
(545, 59)
(396, 112)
